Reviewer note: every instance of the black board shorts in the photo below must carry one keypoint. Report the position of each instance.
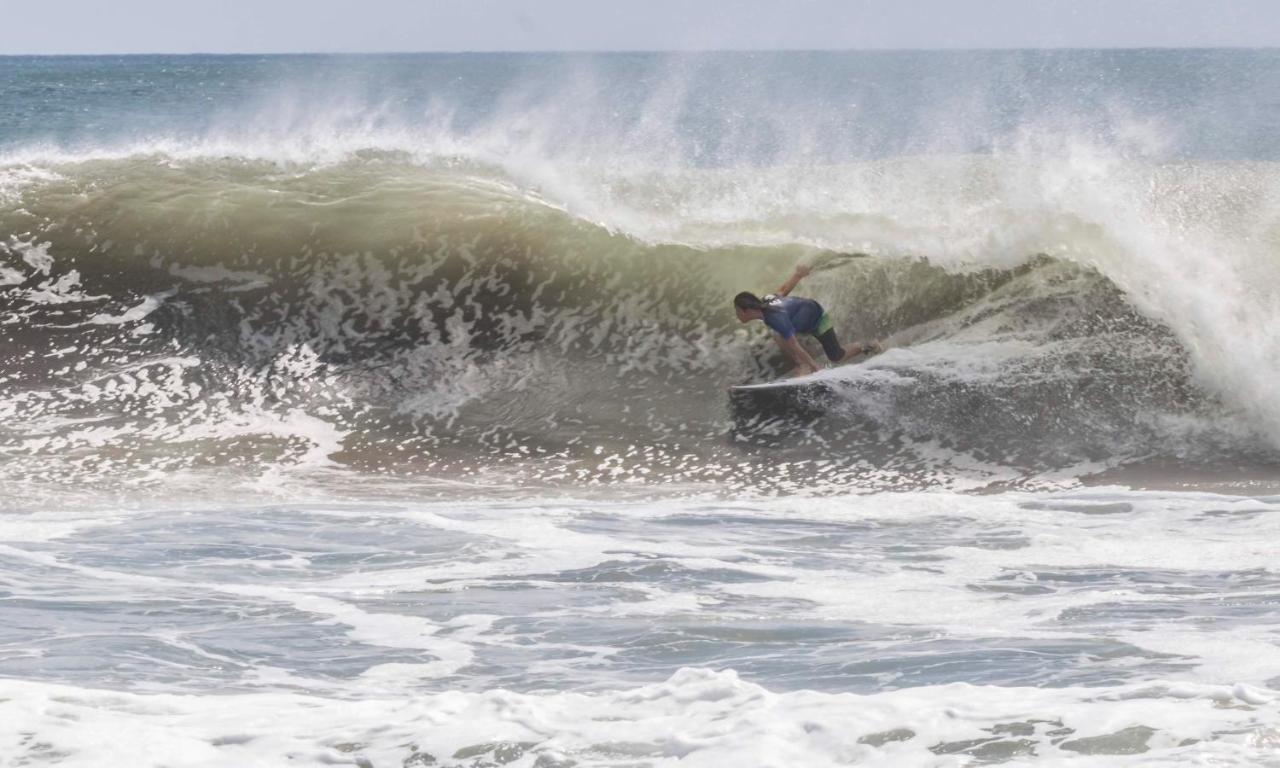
(831, 345)
(826, 335)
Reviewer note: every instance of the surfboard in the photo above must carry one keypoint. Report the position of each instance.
(822, 377)
(804, 398)
(797, 382)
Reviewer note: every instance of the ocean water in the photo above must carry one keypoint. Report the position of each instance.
(374, 410)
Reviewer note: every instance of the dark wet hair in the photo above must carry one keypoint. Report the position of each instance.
(748, 300)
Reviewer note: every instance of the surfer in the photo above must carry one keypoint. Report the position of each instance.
(788, 315)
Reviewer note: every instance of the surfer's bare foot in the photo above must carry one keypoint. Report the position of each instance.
(801, 370)
(870, 347)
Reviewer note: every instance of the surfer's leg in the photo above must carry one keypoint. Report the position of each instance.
(831, 345)
(860, 348)
(826, 336)
(837, 353)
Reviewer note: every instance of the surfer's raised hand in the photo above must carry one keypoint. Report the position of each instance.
(800, 271)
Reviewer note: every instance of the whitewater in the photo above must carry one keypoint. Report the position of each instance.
(375, 410)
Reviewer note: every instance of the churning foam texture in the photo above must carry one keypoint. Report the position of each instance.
(711, 717)
(698, 717)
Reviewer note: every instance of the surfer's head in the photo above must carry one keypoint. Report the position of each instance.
(748, 306)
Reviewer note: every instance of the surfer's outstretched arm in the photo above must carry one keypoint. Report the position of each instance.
(800, 271)
(804, 362)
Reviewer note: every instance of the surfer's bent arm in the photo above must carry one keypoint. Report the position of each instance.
(798, 354)
(800, 271)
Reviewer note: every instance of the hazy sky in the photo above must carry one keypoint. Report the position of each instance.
(246, 26)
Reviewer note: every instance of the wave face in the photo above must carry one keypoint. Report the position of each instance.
(527, 276)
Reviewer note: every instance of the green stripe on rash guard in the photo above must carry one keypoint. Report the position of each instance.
(824, 325)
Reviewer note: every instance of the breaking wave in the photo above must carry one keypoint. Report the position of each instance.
(1047, 314)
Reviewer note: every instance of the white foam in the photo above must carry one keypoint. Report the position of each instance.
(246, 280)
(697, 717)
(135, 313)
(913, 562)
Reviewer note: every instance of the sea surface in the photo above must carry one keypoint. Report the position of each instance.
(375, 410)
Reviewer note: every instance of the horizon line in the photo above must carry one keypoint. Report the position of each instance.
(665, 51)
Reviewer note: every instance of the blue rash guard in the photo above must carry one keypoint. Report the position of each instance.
(789, 315)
